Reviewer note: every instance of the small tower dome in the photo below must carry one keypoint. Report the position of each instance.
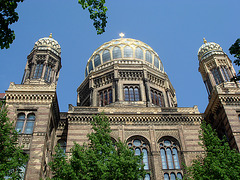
(44, 62)
(48, 43)
(208, 49)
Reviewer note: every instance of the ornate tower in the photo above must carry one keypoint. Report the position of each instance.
(44, 62)
(223, 109)
(33, 106)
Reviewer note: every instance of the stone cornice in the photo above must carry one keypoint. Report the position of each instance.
(31, 87)
(140, 119)
(134, 110)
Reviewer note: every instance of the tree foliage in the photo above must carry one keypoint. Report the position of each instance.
(99, 159)
(97, 12)
(8, 16)
(12, 157)
(218, 161)
(235, 50)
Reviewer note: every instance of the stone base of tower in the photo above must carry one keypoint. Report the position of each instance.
(223, 112)
(40, 102)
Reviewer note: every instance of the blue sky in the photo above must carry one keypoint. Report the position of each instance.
(173, 28)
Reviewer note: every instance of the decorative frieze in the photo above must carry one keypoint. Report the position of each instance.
(18, 97)
(141, 119)
(130, 75)
(103, 80)
(25, 140)
(230, 100)
(155, 80)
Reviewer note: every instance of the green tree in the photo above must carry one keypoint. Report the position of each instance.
(12, 157)
(8, 16)
(235, 50)
(219, 161)
(99, 159)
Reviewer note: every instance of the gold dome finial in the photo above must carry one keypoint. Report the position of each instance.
(50, 36)
(204, 40)
(121, 35)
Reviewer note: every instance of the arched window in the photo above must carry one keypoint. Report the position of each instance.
(38, 71)
(140, 146)
(20, 122)
(47, 74)
(216, 76)
(97, 60)
(131, 93)
(25, 125)
(166, 176)
(139, 53)
(62, 144)
(105, 97)
(29, 124)
(128, 52)
(106, 56)
(169, 149)
(225, 73)
(148, 57)
(90, 66)
(157, 97)
(116, 53)
(156, 62)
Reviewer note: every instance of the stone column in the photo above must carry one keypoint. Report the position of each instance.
(116, 80)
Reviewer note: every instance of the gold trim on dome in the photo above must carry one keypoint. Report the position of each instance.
(50, 36)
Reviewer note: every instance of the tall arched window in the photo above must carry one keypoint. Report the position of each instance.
(128, 52)
(139, 53)
(216, 76)
(131, 93)
(116, 53)
(20, 122)
(148, 57)
(29, 124)
(90, 66)
(25, 125)
(225, 73)
(140, 146)
(169, 149)
(106, 56)
(38, 71)
(47, 74)
(105, 97)
(156, 62)
(157, 98)
(97, 60)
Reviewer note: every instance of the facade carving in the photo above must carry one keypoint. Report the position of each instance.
(125, 79)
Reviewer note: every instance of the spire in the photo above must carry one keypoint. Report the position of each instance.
(121, 35)
(204, 40)
(50, 36)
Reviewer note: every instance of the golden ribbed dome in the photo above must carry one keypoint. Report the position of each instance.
(123, 49)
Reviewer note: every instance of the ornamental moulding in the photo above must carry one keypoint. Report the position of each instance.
(31, 87)
(29, 97)
(141, 120)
